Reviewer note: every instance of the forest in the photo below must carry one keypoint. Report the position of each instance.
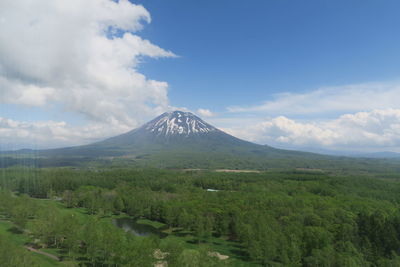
(269, 218)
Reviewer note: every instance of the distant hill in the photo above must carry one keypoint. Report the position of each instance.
(384, 154)
(355, 154)
(182, 140)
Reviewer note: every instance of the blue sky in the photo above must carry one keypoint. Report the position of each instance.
(237, 53)
(311, 75)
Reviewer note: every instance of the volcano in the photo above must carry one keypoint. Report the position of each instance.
(177, 140)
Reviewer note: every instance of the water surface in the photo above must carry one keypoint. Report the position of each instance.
(138, 229)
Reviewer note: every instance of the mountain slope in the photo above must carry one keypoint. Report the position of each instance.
(182, 140)
(170, 131)
(173, 130)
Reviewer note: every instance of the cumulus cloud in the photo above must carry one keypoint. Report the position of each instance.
(362, 131)
(205, 112)
(82, 55)
(337, 100)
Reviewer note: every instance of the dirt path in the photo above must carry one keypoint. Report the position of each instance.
(43, 253)
(218, 255)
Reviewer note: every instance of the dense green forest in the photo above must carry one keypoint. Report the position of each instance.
(286, 218)
(195, 158)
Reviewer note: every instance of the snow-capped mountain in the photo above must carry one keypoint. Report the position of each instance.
(178, 123)
(177, 139)
(176, 127)
(171, 131)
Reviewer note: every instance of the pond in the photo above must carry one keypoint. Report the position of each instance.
(138, 229)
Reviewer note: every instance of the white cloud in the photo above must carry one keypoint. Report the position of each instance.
(376, 130)
(336, 100)
(82, 55)
(205, 112)
(51, 134)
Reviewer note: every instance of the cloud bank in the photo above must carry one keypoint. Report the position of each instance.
(50, 134)
(362, 117)
(376, 130)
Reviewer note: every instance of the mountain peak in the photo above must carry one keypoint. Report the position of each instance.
(178, 123)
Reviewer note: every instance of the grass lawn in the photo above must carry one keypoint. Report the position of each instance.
(6, 229)
(20, 239)
(81, 213)
(155, 224)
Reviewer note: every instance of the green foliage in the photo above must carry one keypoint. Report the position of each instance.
(296, 218)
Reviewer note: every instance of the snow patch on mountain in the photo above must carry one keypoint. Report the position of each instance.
(178, 123)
